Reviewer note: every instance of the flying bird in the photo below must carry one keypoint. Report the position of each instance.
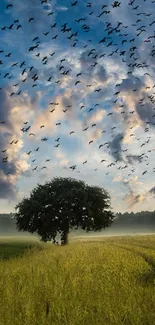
(10, 5)
(74, 3)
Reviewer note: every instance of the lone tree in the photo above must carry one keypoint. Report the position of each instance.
(61, 205)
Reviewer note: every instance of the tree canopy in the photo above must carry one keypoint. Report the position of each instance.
(63, 204)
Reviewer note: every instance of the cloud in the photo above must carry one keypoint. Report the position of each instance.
(101, 75)
(62, 158)
(33, 9)
(152, 191)
(117, 178)
(61, 8)
(133, 158)
(146, 112)
(133, 180)
(13, 115)
(45, 117)
(97, 116)
(133, 199)
(115, 147)
(7, 187)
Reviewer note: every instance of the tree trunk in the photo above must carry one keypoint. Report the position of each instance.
(44, 238)
(64, 237)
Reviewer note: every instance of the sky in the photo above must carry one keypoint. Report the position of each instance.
(77, 98)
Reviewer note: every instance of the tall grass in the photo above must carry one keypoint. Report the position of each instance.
(109, 282)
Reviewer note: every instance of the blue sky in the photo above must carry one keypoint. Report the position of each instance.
(122, 66)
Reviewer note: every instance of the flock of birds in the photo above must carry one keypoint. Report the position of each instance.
(117, 41)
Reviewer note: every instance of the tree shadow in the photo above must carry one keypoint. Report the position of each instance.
(147, 278)
(15, 249)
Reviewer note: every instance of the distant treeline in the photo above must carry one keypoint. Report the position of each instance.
(140, 219)
(143, 219)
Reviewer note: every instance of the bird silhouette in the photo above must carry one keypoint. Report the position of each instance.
(35, 168)
(10, 5)
(31, 19)
(44, 139)
(74, 3)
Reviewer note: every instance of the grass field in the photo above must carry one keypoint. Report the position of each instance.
(105, 282)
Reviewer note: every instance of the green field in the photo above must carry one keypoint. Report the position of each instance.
(109, 282)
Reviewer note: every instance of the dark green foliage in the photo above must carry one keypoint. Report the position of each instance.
(143, 219)
(63, 204)
(139, 220)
